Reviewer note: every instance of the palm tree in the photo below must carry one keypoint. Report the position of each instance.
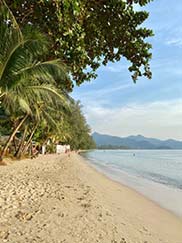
(45, 117)
(25, 79)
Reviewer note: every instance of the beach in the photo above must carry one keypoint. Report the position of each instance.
(61, 198)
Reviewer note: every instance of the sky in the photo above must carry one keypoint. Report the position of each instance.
(114, 105)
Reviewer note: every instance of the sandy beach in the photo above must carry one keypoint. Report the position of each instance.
(61, 198)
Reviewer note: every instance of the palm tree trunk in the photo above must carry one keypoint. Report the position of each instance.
(14, 143)
(30, 138)
(19, 150)
(4, 150)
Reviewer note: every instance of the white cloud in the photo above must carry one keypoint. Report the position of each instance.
(158, 119)
(175, 42)
(100, 94)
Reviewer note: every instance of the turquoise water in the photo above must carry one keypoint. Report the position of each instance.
(154, 173)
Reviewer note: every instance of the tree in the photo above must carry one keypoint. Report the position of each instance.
(25, 80)
(71, 129)
(86, 34)
(80, 137)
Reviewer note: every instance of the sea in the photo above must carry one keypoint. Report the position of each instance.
(157, 174)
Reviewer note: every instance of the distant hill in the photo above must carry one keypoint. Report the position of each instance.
(134, 142)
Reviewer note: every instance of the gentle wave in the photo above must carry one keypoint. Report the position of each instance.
(154, 173)
(164, 166)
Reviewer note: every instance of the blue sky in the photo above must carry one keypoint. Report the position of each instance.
(114, 105)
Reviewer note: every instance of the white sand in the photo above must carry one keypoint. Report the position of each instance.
(56, 198)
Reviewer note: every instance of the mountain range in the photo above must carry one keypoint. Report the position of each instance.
(134, 142)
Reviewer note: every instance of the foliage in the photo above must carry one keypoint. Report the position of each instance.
(30, 103)
(24, 79)
(86, 34)
(112, 147)
(27, 84)
(5, 123)
(80, 137)
(72, 129)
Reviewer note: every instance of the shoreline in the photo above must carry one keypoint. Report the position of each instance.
(128, 187)
(136, 188)
(56, 198)
(153, 204)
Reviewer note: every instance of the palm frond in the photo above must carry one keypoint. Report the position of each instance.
(27, 84)
(10, 34)
(49, 93)
(22, 55)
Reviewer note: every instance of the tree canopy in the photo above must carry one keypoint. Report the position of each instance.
(80, 137)
(31, 106)
(86, 34)
(27, 83)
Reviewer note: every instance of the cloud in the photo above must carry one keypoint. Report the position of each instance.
(175, 42)
(98, 95)
(108, 90)
(156, 119)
